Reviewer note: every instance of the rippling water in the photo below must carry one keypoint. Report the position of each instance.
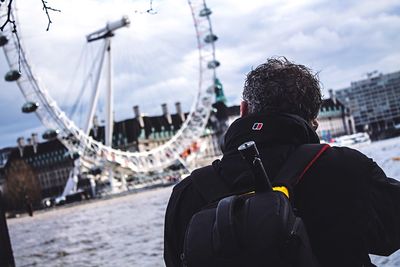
(128, 230)
(123, 231)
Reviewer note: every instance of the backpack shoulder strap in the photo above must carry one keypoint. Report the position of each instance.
(211, 187)
(298, 163)
(207, 181)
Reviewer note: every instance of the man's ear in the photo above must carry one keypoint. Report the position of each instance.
(314, 124)
(244, 109)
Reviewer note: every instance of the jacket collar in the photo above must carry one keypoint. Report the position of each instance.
(269, 128)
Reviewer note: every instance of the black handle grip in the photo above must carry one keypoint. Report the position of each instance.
(250, 154)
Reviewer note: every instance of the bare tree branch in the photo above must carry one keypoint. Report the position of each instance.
(46, 8)
(150, 11)
(14, 30)
(9, 19)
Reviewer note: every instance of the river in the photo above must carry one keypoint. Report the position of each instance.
(128, 230)
(118, 232)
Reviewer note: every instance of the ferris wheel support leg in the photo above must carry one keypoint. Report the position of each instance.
(111, 179)
(95, 95)
(124, 186)
(72, 183)
(110, 107)
(110, 98)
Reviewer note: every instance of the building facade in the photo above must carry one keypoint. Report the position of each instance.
(143, 133)
(374, 102)
(45, 166)
(334, 119)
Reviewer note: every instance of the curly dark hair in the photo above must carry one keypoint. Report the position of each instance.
(283, 86)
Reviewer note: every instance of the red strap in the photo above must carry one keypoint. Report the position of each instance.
(323, 149)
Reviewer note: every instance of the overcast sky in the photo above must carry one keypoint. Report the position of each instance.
(155, 59)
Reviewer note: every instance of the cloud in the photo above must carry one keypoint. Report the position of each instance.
(156, 61)
(348, 37)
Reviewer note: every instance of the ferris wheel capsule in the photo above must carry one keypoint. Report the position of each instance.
(30, 107)
(205, 12)
(12, 75)
(50, 134)
(213, 64)
(210, 38)
(3, 40)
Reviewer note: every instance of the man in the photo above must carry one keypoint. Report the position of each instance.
(349, 206)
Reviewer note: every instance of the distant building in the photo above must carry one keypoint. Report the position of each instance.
(374, 102)
(143, 133)
(334, 119)
(49, 162)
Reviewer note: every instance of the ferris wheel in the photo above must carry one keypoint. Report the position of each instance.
(77, 140)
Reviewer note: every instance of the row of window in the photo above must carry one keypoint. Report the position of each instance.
(54, 178)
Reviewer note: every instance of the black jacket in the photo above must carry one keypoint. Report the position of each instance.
(349, 206)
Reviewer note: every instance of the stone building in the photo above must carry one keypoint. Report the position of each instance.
(49, 163)
(334, 119)
(143, 133)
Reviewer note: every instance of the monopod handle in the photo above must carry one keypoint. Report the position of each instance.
(250, 154)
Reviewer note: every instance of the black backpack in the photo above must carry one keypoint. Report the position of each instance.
(251, 229)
